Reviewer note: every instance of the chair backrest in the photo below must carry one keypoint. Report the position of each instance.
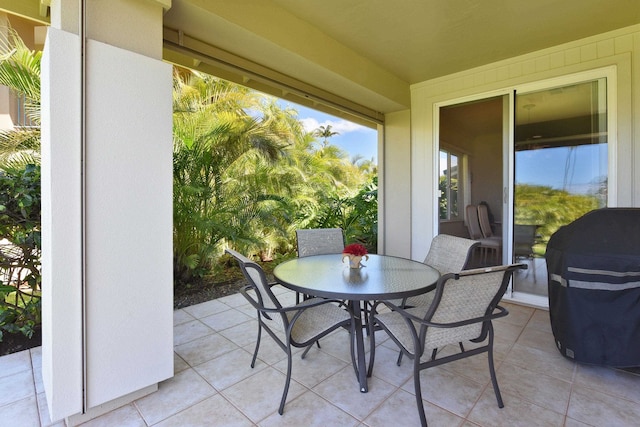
(256, 278)
(319, 241)
(483, 219)
(471, 294)
(472, 222)
(524, 237)
(450, 254)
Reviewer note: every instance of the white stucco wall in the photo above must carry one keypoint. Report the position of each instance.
(107, 208)
(620, 48)
(397, 185)
(62, 353)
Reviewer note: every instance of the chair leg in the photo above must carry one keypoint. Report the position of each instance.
(255, 352)
(418, 391)
(287, 381)
(492, 370)
(399, 361)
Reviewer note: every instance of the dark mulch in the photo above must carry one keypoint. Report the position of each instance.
(202, 291)
(13, 343)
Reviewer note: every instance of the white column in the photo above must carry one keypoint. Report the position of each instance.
(107, 207)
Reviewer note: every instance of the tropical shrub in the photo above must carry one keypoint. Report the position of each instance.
(20, 249)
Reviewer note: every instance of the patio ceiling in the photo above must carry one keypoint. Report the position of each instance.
(369, 52)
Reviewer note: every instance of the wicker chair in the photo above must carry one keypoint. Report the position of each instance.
(297, 326)
(462, 309)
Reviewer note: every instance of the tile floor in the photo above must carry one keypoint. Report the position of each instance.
(215, 386)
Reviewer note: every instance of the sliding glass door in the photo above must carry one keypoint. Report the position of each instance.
(538, 156)
(560, 169)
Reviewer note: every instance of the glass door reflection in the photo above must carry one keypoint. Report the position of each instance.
(560, 169)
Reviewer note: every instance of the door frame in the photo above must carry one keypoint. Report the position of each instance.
(508, 152)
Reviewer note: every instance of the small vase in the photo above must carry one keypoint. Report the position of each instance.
(354, 260)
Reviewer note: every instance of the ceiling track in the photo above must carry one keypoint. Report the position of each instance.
(201, 52)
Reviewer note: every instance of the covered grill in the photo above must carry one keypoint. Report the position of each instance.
(594, 287)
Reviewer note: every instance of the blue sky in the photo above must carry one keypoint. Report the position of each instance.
(353, 138)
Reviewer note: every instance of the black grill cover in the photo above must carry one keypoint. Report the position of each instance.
(593, 267)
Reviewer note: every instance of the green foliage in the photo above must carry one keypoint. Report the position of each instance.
(20, 71)
(549, 208)
(20, 250)
(246, 174)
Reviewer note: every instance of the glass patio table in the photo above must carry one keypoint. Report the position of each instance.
(381, 278)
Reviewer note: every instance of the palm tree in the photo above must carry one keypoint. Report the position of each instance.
(219, 188)
(20, 71)
(326, 133)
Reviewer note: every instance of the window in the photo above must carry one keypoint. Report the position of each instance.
(450, 185)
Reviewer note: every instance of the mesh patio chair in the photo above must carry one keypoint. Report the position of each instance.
(463, 308)
(296, 326)
(488, 245)
(318, 241)
(447, 254)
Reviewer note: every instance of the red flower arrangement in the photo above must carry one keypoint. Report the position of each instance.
(355, 249)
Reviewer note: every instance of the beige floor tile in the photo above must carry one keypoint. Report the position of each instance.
(17, 386)
(203, 349)
(229, 369)
(205, 309)
(22, 412)
(599, 409)
(179, 364)
(540, 320)
(506, 332)
(337, 345)
(43, 410)
(447, 390)
(14, 363)
(538, 339)
(343, 391)
(225, 319)
(212, 412)
(542, 361)
(259, 395)
(316, 367)
(190, 331)
(476, 368)
(543, 390)
(181, 316)
(570, 422)
(309, 410)
(245, 334)
(234, 300)
(269, 352)
(609, 381)
(36, 363)
(516, 412)
(401, 409)
(125, 416)
(174, 395)
(385, 367)
(519, 315)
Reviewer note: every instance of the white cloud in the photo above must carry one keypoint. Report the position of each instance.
(341, 126)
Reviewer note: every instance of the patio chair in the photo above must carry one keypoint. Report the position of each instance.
(447, 254)
(488, 245)
(296, 326)
(524, 237)
(463, 307)
(318, 241)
